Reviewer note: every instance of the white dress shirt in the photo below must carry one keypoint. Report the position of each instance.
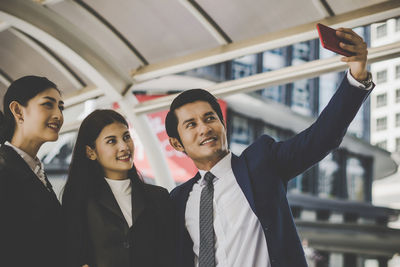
(122, 192)
(355, 83)
(34, 163)
(240, 240)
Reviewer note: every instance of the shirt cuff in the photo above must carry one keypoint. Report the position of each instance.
(355, 83)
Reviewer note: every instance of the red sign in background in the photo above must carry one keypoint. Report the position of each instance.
(180, 165)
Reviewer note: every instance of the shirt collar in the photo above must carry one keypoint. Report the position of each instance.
(34, 163)
(219, 169)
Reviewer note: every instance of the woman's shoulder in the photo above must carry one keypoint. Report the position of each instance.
(5, 160)
(155, 190)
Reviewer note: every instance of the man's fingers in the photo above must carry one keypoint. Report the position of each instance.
(349, 35)
(358, 49)
(353, 58)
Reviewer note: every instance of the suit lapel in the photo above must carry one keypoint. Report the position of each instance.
(241, 173)
(24, 172)
(138, 200)
(185, 245)
(106, 198)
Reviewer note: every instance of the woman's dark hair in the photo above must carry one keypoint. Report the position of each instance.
(189, 96)
(84, 173)
(21, 90)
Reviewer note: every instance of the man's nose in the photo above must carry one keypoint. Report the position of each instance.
(204, 128)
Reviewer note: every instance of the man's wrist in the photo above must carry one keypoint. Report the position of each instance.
(360, 77)
(367, 81)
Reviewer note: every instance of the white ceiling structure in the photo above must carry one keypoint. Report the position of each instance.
(94, 48)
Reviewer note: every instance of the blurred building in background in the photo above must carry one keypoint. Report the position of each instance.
(385, 114)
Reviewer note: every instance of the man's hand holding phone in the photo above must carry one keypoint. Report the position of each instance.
(348, 43)
(356, 45)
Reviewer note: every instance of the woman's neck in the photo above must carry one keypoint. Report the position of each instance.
(28, 146)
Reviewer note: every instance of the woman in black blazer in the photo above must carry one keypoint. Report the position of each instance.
(31, 232)
(113, 218)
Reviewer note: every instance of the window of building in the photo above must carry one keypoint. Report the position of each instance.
(242, 133)
(327, 169)
(397, 72)
(301, 95)
(397, 148)
(397, 28)
(355, 179)
(301, 52)
(397, 122)
(382, 144)
(381, 124)
(381, 76)
(381, 30)
(244, 66)
(302, 183)
(381, 100)
(397, 95)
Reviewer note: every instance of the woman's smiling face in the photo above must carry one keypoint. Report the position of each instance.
(113, 151)
(42, 117)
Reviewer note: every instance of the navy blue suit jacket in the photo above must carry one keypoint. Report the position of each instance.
(263, 170)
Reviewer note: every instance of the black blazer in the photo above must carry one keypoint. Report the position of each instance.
(99, 235)
(31, 232)
(263, 171)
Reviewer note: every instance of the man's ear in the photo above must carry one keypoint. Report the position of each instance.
(17, 111)
(174, 142)
(90, 153)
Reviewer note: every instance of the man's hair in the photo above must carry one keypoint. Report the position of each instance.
(186, 97)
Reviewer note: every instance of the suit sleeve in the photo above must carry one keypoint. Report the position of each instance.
(76, 237)
(167, 231)
(4, 227)
(300, 152)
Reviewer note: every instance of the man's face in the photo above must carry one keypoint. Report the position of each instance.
(202, 134)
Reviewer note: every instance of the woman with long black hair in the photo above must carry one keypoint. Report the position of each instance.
(113, 218)
(31, 230)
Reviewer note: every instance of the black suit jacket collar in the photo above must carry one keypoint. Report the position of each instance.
(22, 171)
(106, 198)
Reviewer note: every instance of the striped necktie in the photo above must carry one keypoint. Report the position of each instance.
(207, 236)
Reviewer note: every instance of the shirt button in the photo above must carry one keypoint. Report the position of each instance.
(126, 244)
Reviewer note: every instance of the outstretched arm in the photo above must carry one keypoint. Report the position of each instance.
(300, 152)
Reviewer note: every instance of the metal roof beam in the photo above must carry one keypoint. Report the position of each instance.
(269, 41)
(208, 23)
(4, 25)
(282, 76)
(5, 78)
(51, 58)
(82, 95)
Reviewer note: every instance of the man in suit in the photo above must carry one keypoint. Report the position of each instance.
(234, 212)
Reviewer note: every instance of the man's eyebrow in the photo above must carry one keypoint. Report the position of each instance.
(209, 113)
(188, 120)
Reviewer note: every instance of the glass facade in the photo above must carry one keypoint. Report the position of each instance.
(355, 178)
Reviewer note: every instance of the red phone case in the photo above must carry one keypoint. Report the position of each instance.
(330, 40)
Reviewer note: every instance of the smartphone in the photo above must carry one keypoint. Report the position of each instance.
(330, 40)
